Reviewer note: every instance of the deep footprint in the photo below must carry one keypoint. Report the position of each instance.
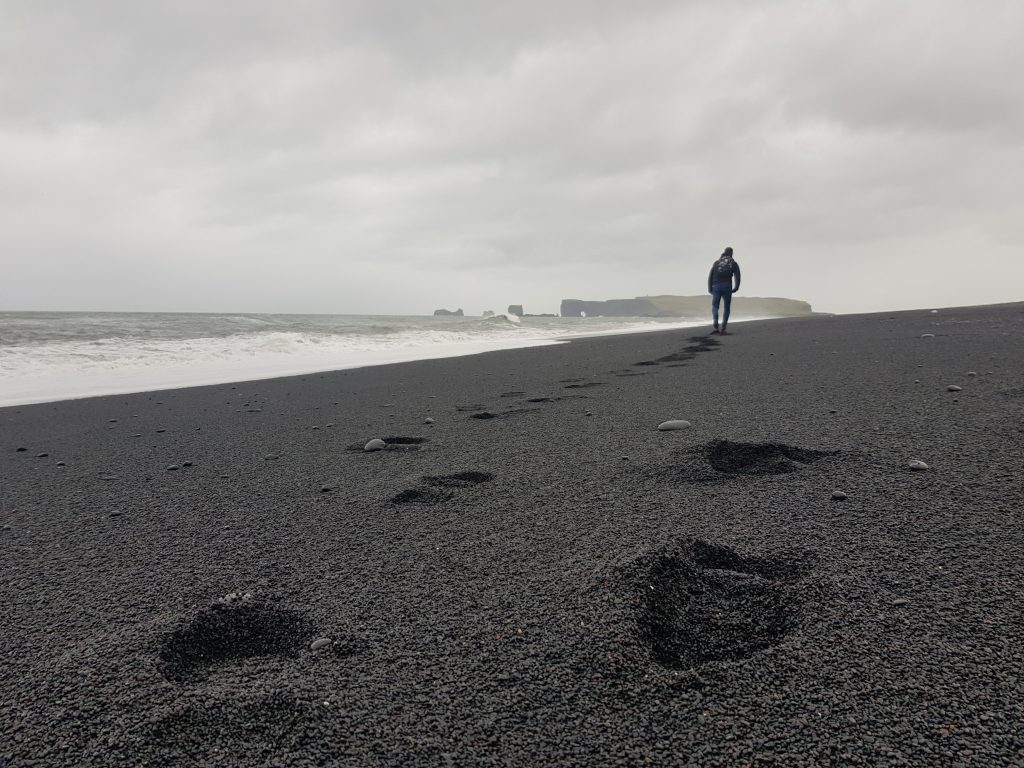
(705, 603)
(459, 479)
(223, 634)
(437, 489)
(734, 458)
(394, 443)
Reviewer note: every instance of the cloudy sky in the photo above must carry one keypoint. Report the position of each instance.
(387, 156)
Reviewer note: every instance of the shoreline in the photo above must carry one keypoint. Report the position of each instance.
(531, 572)
(183, 377)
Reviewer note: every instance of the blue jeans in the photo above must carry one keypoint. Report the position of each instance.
(720, 291)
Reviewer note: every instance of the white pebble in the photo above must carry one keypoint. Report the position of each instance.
(375, 445)
(917, 465)
(671, 424)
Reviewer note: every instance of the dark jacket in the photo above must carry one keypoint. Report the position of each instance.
(733, 277)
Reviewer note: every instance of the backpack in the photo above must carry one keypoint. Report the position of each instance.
(723, 270)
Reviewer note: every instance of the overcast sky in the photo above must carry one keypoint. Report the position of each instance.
(395, 157)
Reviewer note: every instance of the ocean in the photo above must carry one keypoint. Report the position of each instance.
(47, 356)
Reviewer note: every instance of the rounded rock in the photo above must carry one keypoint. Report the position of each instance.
(375, 445)
(428, 420)
(320, 643)
(839, 496)
(917, 465)
(173, 468)
(927, 335)
(972, 373)
(673, 424)
(954, 388)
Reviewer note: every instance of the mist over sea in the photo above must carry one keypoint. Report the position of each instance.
(55, 356)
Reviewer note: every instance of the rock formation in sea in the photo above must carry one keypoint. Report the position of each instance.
(488, 313)
(448, 313)
(515, 309)
(684, 306)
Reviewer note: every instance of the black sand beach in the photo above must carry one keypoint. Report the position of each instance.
(560, 583)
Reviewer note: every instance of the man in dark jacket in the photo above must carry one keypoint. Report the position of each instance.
(720, 286)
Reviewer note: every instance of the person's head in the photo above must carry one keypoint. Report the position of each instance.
(727, 251)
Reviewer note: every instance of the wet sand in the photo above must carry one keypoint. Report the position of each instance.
(539, 576)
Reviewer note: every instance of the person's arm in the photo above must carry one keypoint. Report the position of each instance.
(736, 274)
(711, 274)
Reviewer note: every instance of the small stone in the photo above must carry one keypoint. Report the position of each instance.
(42, 455)
(672, 424)
(20, 450)
(161, 430)
(314, 427)
(917, 381)
(115, 513)
(482, 415)
(917, 465)
(625, 458)
(589, 413)
(61, 464)
(112, 421)
(927, 335)
(375, 445)
(319, 643)
(109, 477)
(271, 457)
(186, 463)
(328, 426)
(137, 435)
(173, 468)
(839, 496)
(901, 601)
(954, 388)
(428, 420)
(972, 373)
(254, 410)
(325, 489)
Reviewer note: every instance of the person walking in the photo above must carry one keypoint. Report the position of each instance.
(721, 286)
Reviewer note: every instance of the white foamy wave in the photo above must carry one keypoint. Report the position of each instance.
(133, 360)
(503, 318)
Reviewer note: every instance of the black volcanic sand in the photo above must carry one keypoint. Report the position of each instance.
(559, 584)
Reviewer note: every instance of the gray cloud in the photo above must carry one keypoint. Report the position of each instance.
(397, 156)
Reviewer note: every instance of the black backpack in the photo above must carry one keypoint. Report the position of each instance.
(723, 270)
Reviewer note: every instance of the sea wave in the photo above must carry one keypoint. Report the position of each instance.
(145, 355)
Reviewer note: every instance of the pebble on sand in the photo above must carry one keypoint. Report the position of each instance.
(42, 455)
(428, 420)
(927, 335)
(839, 496)
(173, 468)
(901, 601)
(667, 426)
(375, 445)
(917, 465)
(972, 373)
(271, 457)
(954, 388)
(20, 450)
(320, 642)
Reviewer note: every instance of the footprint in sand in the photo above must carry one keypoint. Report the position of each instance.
(721, 460)
(437, 489)
(701, 602)
(393, 443)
